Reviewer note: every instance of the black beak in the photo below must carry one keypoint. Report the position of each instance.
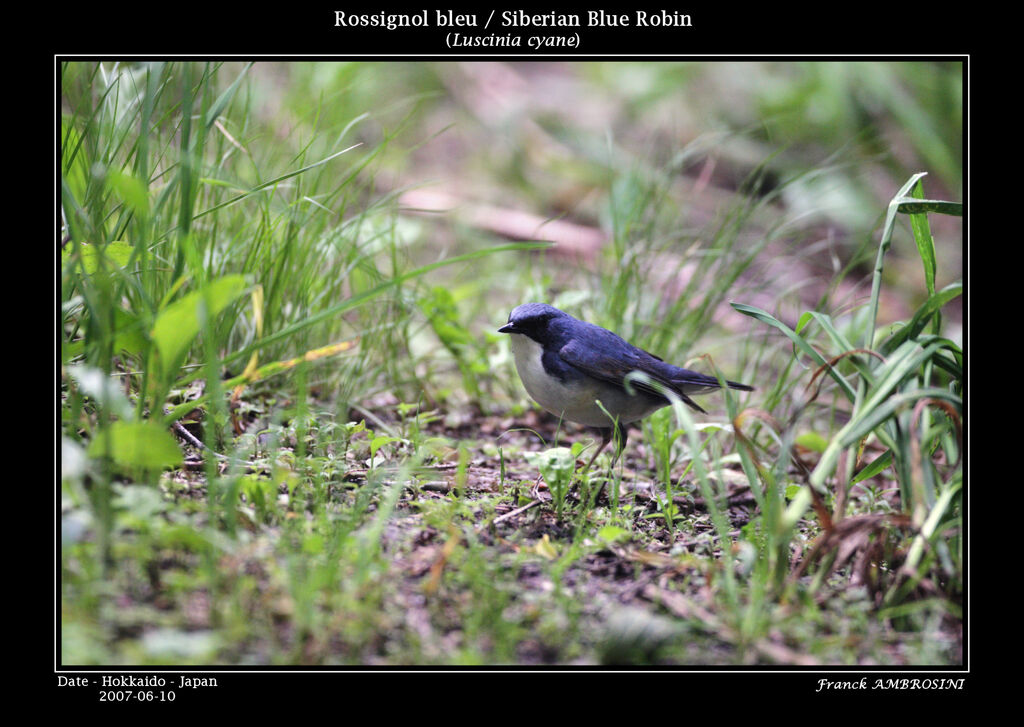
(508, 328)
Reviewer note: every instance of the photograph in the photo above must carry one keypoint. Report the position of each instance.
(509, 364)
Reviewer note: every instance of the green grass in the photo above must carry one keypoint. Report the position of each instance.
(240, 267)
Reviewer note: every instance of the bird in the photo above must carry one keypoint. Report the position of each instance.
(568, 365)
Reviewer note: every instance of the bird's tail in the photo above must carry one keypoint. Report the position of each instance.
(737, 385)
(694, 383)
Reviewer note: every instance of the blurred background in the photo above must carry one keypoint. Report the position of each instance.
(653, 180)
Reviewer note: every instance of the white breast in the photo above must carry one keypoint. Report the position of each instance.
(575, 400)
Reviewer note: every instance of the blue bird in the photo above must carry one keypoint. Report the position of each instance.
(567, 365)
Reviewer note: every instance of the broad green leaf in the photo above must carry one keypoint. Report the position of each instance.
(114, 254)
(128, 332)
(556, 466)
(132, 191)
(141, 444)
(179, 323)
(379, 442)
(812, 441)
(612, 533)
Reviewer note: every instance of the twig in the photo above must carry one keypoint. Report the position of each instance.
(513, 513)
(188, 437)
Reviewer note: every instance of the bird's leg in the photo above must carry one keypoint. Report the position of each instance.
(619, 434)
(606, 436)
